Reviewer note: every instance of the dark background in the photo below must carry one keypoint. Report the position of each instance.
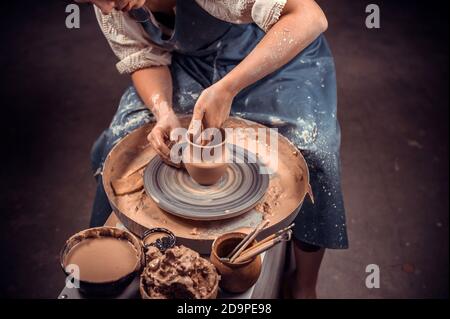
(59, 90)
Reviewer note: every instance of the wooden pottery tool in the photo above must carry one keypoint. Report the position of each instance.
(278, 233)
(256, 251)
(247, 242)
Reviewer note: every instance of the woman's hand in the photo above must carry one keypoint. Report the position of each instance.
(159, 137)
(212, 107)
(154, 86)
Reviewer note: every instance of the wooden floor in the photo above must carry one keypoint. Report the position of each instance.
(60, 89)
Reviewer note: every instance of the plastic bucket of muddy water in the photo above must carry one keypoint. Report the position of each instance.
(102, 261)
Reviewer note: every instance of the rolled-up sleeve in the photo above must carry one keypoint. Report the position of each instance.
(265, 13)
(130, 43)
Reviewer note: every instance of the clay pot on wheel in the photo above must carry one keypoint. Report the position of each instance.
(206, 164)
(235, 277)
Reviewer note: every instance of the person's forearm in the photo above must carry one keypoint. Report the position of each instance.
(301, 22)
(154, 86)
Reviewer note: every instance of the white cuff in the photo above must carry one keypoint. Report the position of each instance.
(141, 60)
(266, 13)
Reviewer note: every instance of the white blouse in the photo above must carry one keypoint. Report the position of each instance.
(135, 50)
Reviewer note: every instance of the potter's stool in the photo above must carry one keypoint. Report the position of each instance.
(267, 286)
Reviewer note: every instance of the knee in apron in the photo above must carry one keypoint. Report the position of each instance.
(131, 114)
(97, 152)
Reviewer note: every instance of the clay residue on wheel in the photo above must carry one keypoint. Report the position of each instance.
(129, 184)
(179, 273)
(271, 200)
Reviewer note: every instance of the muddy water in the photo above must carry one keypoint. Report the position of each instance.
(103, 259)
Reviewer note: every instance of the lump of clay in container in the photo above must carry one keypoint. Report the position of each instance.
(179, 273)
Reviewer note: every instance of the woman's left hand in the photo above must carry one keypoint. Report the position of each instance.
(212, 107)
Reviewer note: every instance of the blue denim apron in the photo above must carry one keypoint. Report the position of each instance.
(299, 99)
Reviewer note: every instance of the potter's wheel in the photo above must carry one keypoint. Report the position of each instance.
(174, 191)
(139, 212)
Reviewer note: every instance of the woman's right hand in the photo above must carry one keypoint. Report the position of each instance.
(159, 137)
